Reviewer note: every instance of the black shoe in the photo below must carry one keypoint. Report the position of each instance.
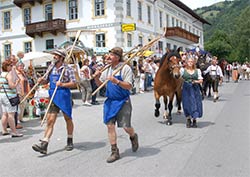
(188, 123)
(42, 147)
(70, 145)
(194, 123)
(95, 103)
(134, 142)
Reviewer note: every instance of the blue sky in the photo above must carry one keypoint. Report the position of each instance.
(193, 4)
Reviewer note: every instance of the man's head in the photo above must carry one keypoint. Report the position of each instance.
(20, 54)
(59, 54)
(118, 52)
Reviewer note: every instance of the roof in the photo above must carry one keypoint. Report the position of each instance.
(190, 11)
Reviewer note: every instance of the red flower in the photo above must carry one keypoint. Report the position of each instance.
(33, 102)
(46, 101)
(42, 100)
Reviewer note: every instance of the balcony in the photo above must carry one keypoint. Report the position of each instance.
(53, 26)
(181, 35)
(19, 3)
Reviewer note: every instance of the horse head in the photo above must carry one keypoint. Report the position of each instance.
(173, 62)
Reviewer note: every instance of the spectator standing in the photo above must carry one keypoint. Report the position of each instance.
(8, 87)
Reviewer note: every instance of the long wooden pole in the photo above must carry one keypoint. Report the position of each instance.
(138, 53)
(66, 58)
(45, 75)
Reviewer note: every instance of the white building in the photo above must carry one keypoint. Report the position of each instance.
(39, 25)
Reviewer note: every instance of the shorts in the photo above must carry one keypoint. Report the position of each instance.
(6, 106)
(53, 108)
(123, 117)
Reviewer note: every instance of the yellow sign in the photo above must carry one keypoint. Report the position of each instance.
(128, 27)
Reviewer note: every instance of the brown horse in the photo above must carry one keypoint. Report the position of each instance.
(168, 83)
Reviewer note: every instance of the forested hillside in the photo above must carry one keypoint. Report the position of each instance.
(229, 35)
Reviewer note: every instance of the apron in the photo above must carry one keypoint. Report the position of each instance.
(116, 97)
(62, 97)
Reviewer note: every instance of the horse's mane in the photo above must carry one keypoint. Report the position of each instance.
(168, 55)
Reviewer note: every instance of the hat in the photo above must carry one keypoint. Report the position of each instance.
(59, 52)
(117, 51)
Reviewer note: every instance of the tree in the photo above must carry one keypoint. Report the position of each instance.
(241, 37)
(219, 45)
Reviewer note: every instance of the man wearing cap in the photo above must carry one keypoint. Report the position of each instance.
(65, 105)
(117, 106)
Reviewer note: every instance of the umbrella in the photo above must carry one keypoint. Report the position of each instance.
(37, 58)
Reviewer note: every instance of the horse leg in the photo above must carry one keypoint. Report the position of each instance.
(178, 98)
(165, 99)
(170, 107)
(157, 105)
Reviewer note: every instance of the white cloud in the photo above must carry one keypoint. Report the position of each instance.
(193, 4)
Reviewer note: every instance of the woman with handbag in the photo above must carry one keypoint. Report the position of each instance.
(23, 88)
(8, 91)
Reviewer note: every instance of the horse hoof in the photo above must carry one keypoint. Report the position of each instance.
(157, 113)
(169, 122)
(179, 112)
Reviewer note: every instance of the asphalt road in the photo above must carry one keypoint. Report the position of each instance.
(219, 147)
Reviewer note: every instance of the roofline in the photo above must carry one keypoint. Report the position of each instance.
(190, 11)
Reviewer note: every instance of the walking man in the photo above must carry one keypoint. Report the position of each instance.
(65, 105)
(117, 106)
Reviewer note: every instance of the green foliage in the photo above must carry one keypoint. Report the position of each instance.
(229, 34)
(219, 45)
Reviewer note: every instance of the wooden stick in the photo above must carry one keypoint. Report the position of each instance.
(107, 66)
(45, 75)
(53, 95)
(138, 54)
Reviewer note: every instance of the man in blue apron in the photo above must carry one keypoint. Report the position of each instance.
(62, 100)
(117, 106)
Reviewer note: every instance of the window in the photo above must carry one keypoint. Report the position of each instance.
(185, 26)
(49, 44)
(27, 47)
(160, 18)
(149, 14)
(172, 21)
(167, 20)
(139, 11)
(26, 16)
(175, 47)
(140, 39)
(128, 8)
(7, 50)
(160, 45)
(48, 12)
(73, 10)
(100, 40)
(99, 7)
(181, 24)
(177, 23)
(129, 40)
(168, 45)
(6, 16)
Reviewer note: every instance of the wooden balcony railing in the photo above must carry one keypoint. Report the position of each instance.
(182, 34)
(52, 26)
(19, 3)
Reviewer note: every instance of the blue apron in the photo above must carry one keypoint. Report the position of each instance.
(116, 97)
(62, 97)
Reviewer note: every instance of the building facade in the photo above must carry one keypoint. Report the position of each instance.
(41, 25)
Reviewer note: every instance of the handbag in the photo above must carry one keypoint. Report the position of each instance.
(13, 101)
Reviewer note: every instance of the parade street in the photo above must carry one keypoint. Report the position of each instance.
(219, 147)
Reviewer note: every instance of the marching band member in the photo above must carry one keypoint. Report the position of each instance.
(117, 107)
(65, 105)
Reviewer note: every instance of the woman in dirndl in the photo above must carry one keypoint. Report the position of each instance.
(191, 94)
